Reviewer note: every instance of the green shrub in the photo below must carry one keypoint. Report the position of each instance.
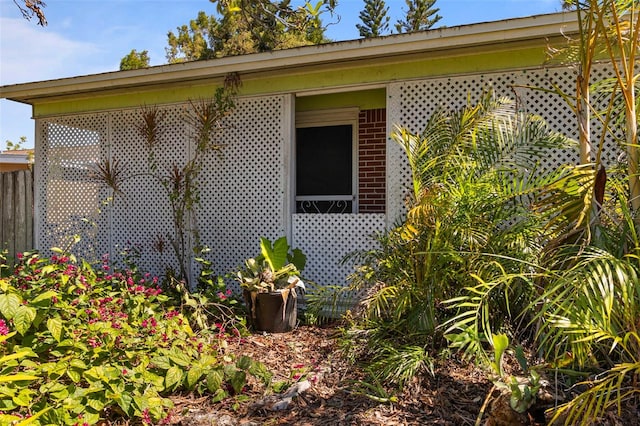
(84, 344)
(468, 220)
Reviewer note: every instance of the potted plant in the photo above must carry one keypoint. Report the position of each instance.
(269, 282)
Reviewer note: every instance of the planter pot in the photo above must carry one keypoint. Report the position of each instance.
(272, 312)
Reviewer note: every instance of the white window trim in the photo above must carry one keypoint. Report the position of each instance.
(332, 117)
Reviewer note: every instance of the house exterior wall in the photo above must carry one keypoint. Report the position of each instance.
(248, 192)
(244, 193)
(241, 193)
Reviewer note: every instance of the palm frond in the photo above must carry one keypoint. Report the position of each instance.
(399, 365)
(592, 304)
(610, 391)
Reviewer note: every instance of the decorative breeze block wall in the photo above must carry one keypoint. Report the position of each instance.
(327, 238)
(241, 191)
(411, 103)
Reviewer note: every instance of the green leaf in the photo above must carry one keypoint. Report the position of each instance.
(6, 419)
(260, 371)
(214, 380)
(90, 418)
(180, 358)
(23, 318)
(47, 269)
(78, 363)
(47, 295)
(23, 398)
(117, 385)
(7, 336)
(153, 379)
(9, 304)
(58, 369)
(17, 377)
(500, 345)
(19, 354)
(298, 258)
(193, 375)
(93, 374)
(7, 404)
(522, 359)
(54, 325)
(97, 404)
(111, 373)
(229, 370)
(280, 386)
(276, 255)
(207, 361)
(74, 375)
(219, 395)
(51, 387)
(238, 380)
(173, 377)
(33, 418)
(60, 394)
(162, 362)
(123, 400)
(7, 391)
(244, 362)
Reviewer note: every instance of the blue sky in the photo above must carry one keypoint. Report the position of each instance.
(91, 36)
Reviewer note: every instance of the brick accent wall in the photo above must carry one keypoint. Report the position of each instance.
(372, 141)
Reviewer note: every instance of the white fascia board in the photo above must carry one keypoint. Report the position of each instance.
(14, 158)
(496, 32)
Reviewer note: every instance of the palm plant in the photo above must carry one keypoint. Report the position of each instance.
(609, 30)
(585, 317)
(590, 310)
(474, 175)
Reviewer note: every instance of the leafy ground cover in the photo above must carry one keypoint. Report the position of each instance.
(83, 345)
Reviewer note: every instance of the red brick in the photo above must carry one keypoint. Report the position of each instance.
(372, 158)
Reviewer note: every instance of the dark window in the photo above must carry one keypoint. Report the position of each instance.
(324, 169)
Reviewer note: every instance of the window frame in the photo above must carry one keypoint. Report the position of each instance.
(327, 118)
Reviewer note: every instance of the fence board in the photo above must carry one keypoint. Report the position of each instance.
(16, 206)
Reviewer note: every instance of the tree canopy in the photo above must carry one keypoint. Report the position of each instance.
(420, 16)
(16, 146)
(238, 27)
(375, 21)
(248, 26)
(135, 60)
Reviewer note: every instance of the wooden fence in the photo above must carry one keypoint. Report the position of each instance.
(16, 207)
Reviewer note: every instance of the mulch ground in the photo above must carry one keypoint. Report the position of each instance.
(453, 397)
